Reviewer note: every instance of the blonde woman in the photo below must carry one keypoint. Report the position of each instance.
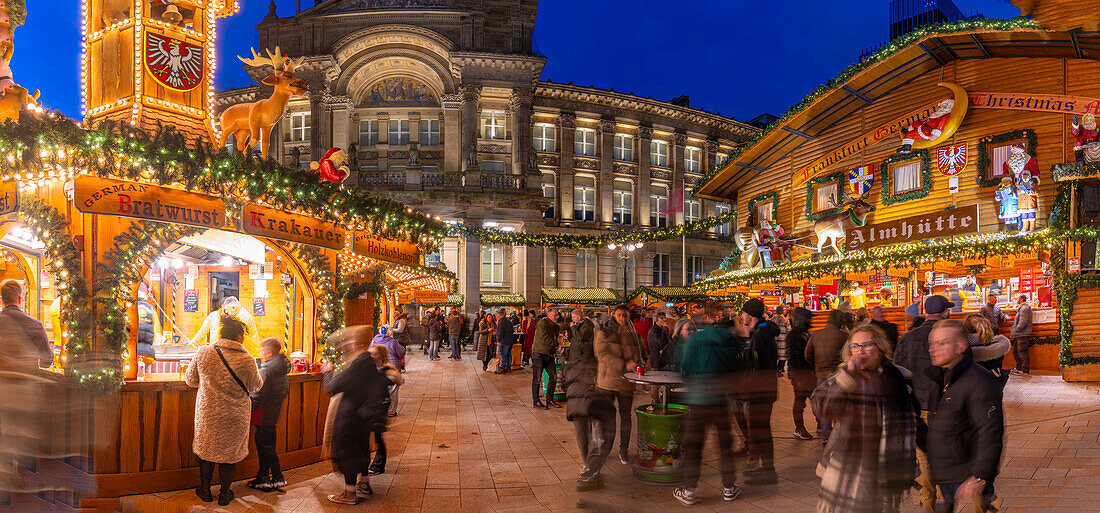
(870, 459)
(989, 348)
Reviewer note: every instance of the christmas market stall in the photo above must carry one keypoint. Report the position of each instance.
(579, 297)
(952, 161)
(135, 231)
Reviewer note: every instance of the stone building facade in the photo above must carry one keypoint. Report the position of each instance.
(440, 106)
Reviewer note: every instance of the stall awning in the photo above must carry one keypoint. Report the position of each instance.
(672, 294)
(502, 299)
(452, 300)
(580, 296)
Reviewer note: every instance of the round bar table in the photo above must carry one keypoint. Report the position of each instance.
(660, 430)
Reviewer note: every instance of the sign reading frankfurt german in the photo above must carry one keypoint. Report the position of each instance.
(1036, 102)
(94, 195)
(891, 130)
(944, 223)
(9, 197)
(389, 250)
(276, 224)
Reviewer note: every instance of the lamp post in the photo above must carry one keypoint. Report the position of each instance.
(625, 250)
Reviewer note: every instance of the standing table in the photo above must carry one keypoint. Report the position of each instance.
(660, 430)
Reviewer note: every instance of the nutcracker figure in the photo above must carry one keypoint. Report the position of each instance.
(1027, 191)
(1006, 195)
(928, 129)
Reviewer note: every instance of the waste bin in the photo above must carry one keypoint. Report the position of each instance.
(660, 432)
(559, 389)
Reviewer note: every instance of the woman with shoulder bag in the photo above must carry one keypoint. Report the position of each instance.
(486, 347)
(225, 374)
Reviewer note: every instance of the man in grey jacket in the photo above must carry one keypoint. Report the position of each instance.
(1021, 335)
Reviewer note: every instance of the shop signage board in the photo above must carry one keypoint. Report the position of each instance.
(191, 300)
(9, 197)
(1055, 103)
(944, 223)
(276, 224)
(1073, 264)
(94, 195)
(395, 251)
(426, 296)
(259, 308)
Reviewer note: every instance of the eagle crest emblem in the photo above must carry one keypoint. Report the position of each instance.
(952, 159)
(174, 63)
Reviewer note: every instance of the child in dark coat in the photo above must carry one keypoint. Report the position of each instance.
(267, 403)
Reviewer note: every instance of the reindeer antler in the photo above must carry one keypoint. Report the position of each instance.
(256, 60)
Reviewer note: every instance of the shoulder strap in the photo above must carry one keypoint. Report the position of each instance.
(230, 369)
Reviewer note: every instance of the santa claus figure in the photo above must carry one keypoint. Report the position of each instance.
(332, 166)
(1085, 146)
(770, 243)
(1019, 161)
(928, 129)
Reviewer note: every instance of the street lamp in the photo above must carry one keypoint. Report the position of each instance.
(625, 250)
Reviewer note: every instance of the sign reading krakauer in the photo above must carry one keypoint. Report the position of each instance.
(945, 223)
(9, 197)
(94, 195)
(276, 224)
(384, 249)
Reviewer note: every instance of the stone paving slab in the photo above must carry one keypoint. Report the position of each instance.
(469, 441)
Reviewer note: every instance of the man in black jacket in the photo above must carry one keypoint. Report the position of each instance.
(506, 338)
(760, 387)
(965, 419)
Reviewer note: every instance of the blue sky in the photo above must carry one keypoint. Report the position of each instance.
(737, 57)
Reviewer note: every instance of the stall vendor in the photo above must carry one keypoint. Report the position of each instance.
(971, 294)
(231, 307)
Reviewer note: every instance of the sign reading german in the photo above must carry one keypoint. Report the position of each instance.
(945, 223)
(276, 224)
(399, 252)
(9, 197)
(94, 195)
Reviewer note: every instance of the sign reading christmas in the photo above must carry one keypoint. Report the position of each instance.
(94, 195)
(945, 223)
(174, 63)
(952, 159)
(268, 222)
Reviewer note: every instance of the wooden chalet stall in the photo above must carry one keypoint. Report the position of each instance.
(924, 196)
(579, 297)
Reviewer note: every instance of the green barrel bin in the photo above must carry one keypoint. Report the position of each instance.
(559, 390)
(660, 432)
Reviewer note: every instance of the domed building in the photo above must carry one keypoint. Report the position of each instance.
(440, 106)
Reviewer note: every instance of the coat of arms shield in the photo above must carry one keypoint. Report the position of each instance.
(173, 63)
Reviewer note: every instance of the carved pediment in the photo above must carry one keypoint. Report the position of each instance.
(548, 159)
(363, 5)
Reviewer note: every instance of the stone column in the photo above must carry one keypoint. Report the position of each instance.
(471, 274)
(452, 134)
(605, 183)
(317, 123)
(532, 277)
(523, 162)
(450, 254)
(340, 110)
(678, 141)
(567, 125)
(383, 140)
(471, 94)
(567, 267)
(414, 128)
(641, 185)
(607, 268)
(709, 162)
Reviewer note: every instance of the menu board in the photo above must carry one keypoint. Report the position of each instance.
(191, 300)
(259, 308)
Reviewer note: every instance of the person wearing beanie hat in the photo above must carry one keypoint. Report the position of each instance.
(760, 388)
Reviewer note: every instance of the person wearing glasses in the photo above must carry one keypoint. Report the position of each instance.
(870, 459)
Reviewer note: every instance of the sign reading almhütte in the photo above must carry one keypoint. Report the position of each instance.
(94, 195)
(9, 197)
(384, 249)
(276, 224)
(945, 223)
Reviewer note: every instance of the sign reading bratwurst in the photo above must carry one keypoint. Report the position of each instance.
(388, 250)
(945, 223)
(94, 195)
(276, 224)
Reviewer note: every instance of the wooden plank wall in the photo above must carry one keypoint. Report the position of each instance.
(150, 434)
(1086, 331)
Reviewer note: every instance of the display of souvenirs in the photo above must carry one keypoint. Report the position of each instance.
(929, 129)
(1006, 195)
(1086, 148)
(1027, 191)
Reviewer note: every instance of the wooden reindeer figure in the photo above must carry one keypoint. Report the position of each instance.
(251, 123)
(833, 227)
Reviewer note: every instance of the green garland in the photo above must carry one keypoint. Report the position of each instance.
(122, 266)
(330, 292)
(50, 227)
(1045, 341)
(772, 196)
(868, 260)
(837, 177)
(165, 157)
(494, 236)
(887, 192)
(887, 50)
(1074, 171)
(984, 143)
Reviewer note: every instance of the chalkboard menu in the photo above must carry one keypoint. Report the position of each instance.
(191, 300)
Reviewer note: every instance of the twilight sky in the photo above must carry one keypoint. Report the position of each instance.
(736, 57)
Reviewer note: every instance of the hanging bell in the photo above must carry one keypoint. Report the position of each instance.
(172, 14)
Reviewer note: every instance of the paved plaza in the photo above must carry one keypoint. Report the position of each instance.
(466, 440)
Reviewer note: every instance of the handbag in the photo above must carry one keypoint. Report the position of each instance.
(494, 365)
